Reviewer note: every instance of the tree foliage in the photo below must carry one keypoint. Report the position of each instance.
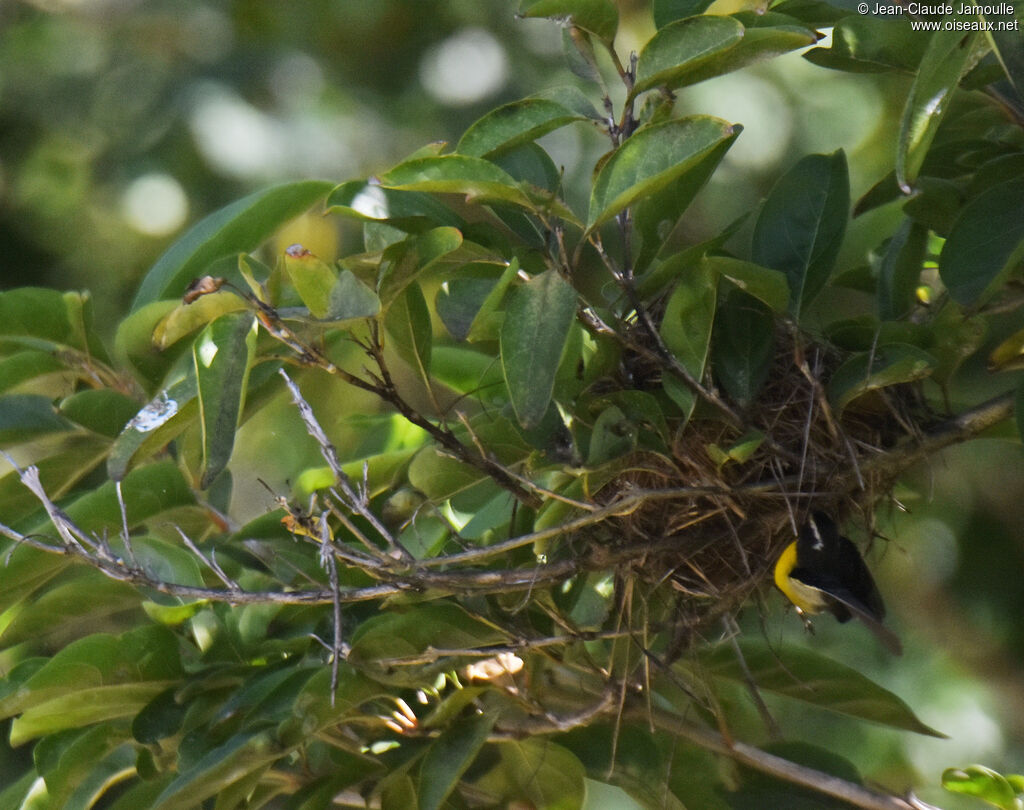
(582, 443)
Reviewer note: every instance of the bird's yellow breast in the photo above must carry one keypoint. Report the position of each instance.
(808, 599)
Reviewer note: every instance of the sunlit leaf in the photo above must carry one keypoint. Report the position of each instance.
(237, 228)
(948, 56)
(767, 285)
(651, 159)
(513, 124)
(222, 355)
(478, 179)
(985, 783)
(680, 47)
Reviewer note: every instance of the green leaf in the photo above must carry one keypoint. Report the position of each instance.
(514, 124)
(866, 44)
(686, 329)
(408, 323)
(985, 783)
(1018, 409)
(434, 626)
(185, 319)
(986, 239)
(867, 371)
(765, 36)
(312, 278)
(801, 225)
(368, 201)
(900, 272)
(87, 766)
(24, 417)
(102, 410)
(801, 674)
(651, 159)
(534, 333)
(598, 17)
(667, 11)
(743, 346)
(37, 313)
(767, 285)
(238, 228)
(448, 758)
(163, 418)
(459, 300)
(148, 491)
(162, 717)
(536, 772)
(613, 435)
(656, 216)
(680, 47)
(948, 57)
(479, 179)
(21, 367)
(414, 257)
(222, 356)
(240, 756)
(1009, 48)
(350, 299)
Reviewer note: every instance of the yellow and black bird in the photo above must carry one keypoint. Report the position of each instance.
(823, 571)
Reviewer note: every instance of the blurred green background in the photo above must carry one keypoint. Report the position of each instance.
(124, 121)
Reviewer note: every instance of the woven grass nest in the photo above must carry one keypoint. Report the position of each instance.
(717, 545)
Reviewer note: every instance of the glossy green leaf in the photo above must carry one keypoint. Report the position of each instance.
(21, 367)
(598, 17)
(801, 225)
(986, 238)
(24, 417)
(439, 476)
(801, 674)
(513, 124)
(101, 410)
(408, 323)
(479, 179)
(370, 202)
(985, 783)
(414, 257)
(865, 44)
(312, 278)
(537, 772)
(241, 755)
(88, 767)
(1009, 354)
(948, 56)
(448, 758)
(886, 365)
(743, 346)
(686, 329)
(765, 36)
(667, 11)
(655, 217)
(680, 47)
(185, 319)
(533, 336)
(900, 272)
(163, 418)
(651, 159)
(134, 347)
(350, 300)
(767, 285)
(238, 228)
(222, 356)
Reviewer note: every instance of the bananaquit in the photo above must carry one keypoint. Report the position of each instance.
(823, 571)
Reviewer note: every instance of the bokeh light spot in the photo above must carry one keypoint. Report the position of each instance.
(467, 67)
(155, 204)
